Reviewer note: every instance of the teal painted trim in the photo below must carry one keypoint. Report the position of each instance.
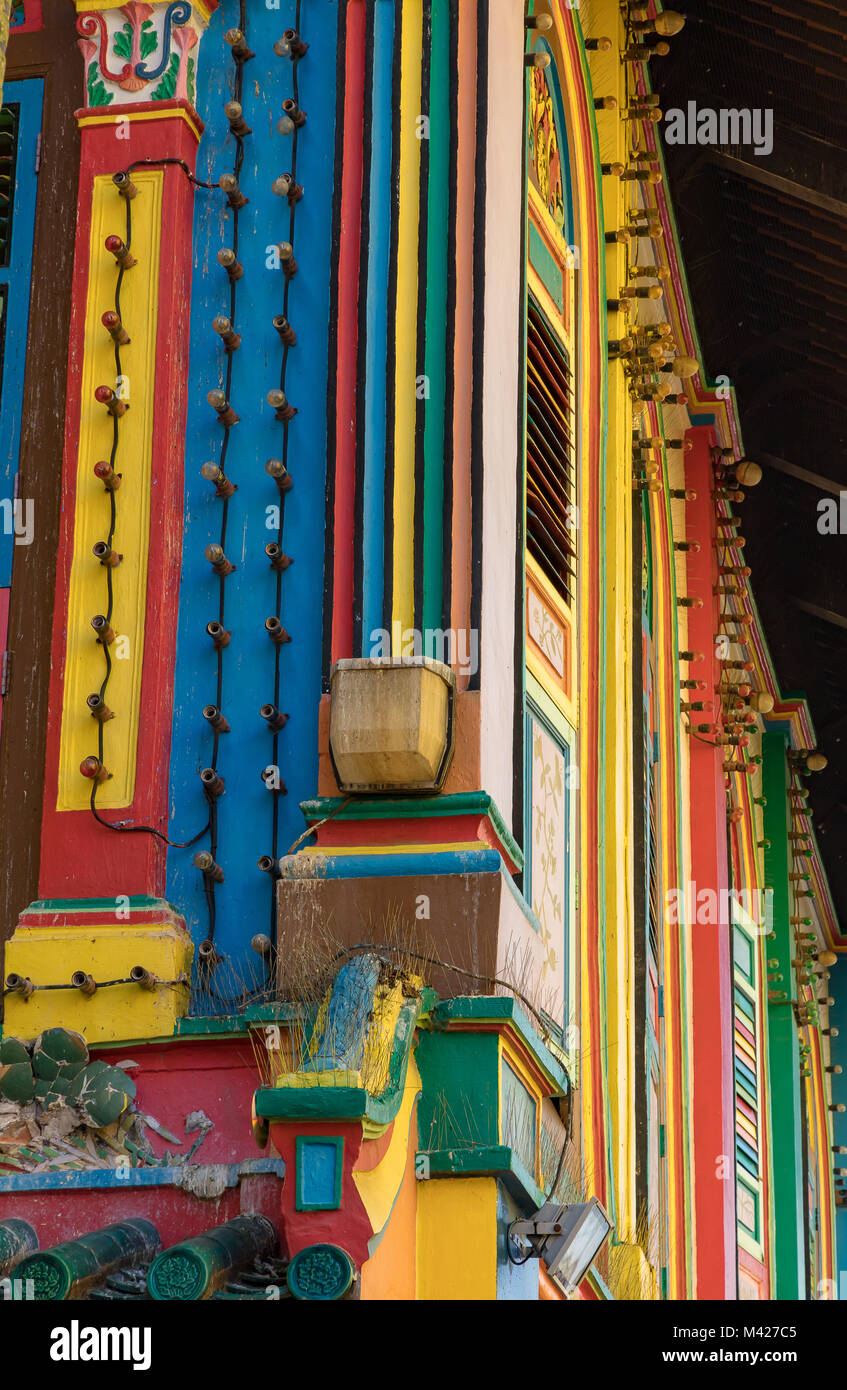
(136, 1177)
(210, 1027)
(489, 1160)
(139, 902)
(416, 808)
(323, 866)
(273, 1013)
(498, 1008)
(546, 267)
(318, 1103)
(783, 1067)
(437, 242)
(303, 1144)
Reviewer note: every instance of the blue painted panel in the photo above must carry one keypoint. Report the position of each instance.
(464, 861)
(244, 901)
(319, 1174)
(379, 240)
(515, 1282)
(15, 281)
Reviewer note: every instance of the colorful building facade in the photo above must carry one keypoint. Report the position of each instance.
(405, 828)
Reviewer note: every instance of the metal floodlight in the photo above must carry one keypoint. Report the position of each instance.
(567, 1239)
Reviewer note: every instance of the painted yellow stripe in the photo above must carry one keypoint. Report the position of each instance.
(329, 851)
(202, 10)
(405, 368)
(119, 113)
(84, 666)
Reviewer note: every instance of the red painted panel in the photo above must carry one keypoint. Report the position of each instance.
(176, 1215)
(176, 1078)
(712, 1097)
(79, 856)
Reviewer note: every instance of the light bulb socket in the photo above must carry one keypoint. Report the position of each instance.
(142, 977)
(223, 327)
(285, 331)
(125, 186)
(106, 555)
(235, 115)
(276, 632)
(107, 475)
(98, 709)
(238, 43)
(20, 984)
(219, 635)
(103, 630)
(213, 783)
(104, 395)
(291, 45)
(213, 716)
(279, 561)
(111, 321)
(230, 262)
(94, 770)
(269, 865)
(217, 559)
(293, 113)
(273, 717)
(84, 983)
(121, 252)
(281, 406)
(219, 403)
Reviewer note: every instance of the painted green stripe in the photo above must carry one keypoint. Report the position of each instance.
(786, 1127)
(546, 267)
(438, 209)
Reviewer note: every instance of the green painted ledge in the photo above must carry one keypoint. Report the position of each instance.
(416, 808)
(496, 1009)
(486, 1160)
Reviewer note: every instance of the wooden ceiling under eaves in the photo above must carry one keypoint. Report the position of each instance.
(764, 241)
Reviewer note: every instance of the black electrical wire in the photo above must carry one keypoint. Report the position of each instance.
(121, 826)
(276, 792)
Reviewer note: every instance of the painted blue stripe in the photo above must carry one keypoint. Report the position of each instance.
(376, 355)
(472, 861)
(135, 1177)
(745, 1074)
(16, 277)
(243, 901)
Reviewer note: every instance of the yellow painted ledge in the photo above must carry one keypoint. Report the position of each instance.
(120, 1013)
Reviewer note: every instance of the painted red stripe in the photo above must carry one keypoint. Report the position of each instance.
(713, 1089)
(77, 854)
(348, 334)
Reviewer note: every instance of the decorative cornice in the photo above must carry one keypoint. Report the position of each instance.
(136, 47)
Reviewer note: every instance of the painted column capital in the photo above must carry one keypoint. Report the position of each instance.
(138, 52)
